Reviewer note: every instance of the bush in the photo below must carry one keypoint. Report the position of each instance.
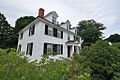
(103, 59)
(100, 61)
(14, 66)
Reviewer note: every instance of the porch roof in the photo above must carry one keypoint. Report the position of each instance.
(73, 42)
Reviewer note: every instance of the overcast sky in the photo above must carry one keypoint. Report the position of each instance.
(103, 11)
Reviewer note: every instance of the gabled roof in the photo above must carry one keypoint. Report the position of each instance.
(47, 22)
(52, 13)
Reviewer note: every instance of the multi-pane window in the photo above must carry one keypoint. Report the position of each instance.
(67, 27)
(53, 32)
(76, 38)
(56, 48)
(53, 19)
(31, 30)
(59, 34)
(48, 30)
(68, 37)
(21, 36)
(29, 49)
(49, 47)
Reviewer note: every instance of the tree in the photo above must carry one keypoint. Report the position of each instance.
(90, 31)
(114, 38)
(103, 60)
(23, 22)
(19, 25)
(6, 33)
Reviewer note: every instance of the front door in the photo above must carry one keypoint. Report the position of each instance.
(68, 49)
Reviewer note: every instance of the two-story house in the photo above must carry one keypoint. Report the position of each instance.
(45, 34)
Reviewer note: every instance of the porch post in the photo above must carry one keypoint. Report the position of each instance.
(72, 50)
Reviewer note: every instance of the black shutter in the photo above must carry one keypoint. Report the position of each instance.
(27, 49)
(33, 30)
(29, 31)
(54, 32)
(45, 48)
(61, 34)
(46, 29)
(31, 48)
(75, 49)
(61, 49)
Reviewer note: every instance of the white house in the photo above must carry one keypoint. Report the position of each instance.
(45, 34)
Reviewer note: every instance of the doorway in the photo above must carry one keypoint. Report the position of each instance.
(68, 51)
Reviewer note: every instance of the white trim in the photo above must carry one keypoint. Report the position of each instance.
(48, 23)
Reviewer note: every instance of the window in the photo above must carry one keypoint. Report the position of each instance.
(19, 48)
(76, 38)
(48, 30)
(47, 47)
(56, 48)
(21, 36)
(68, 37)
(31, 30)
(29, 49)
(59, 34)
(53, 19)
(53, 32)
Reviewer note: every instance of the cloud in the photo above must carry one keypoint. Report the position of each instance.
(103, 11)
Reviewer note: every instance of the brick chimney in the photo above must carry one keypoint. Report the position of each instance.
(41, 12)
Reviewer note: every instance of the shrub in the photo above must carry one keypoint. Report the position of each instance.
(13, 66)
(103, 59)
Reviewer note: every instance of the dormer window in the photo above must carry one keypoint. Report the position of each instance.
(53, 19)
(67, 26)
(68, 37)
